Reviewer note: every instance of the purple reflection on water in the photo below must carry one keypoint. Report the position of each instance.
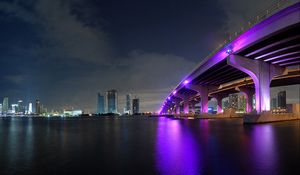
(176, 149)
(263, 147)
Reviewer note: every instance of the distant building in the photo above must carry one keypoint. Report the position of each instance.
(127, 109)
(273, 103)
(14, 108)
(112, 101)
(5, 105)
(21, 107)
(72, 113)
(0, 108)
(29, 108)
(225, 103)
(212, 104)
(100, 104)
(241, 103)
(135, 105)
(281, 97)
(233, 101)
(37, 107)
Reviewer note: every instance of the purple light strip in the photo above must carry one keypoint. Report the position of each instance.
(288, 59)
(284, 64)
(280, 56)
(276, 51)
(272, 45)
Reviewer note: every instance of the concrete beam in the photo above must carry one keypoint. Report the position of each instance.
(261, 74)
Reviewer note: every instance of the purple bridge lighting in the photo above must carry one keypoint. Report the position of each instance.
(265, 51)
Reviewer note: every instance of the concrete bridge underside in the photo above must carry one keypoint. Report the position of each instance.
(261, 57)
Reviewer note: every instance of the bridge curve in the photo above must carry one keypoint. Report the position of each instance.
(263, 52)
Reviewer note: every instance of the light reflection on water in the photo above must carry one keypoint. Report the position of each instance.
(177, 151)
(147, 146)
(263, 148)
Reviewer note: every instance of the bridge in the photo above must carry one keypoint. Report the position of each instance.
(259, 58)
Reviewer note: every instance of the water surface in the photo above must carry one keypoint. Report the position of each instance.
(147, 146)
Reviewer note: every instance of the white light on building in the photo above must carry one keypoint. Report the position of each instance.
(14, 108)
(30, 108)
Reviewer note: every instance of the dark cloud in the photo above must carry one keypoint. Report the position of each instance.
(239, 13)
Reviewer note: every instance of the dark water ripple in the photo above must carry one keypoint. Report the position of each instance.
(147, 146)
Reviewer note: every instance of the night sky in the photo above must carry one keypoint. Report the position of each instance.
(65, 52)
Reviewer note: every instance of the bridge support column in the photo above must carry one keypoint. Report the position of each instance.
(248, 92)
(204, 99)
(193, 107)
(219, 98)
(174, 110)
(177, 109)
(185, 100)
(186, 108)
(203, 91)
(261, 74)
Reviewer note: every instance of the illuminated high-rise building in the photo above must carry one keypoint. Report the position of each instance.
(5, 105)
(0, 108)
(21, 107)
(14, 108)
(127, 109)
(30, 108)
(135, 105)
(37, 107)
(233, 101)
(281, 99)
(225, 103)
(112, 101)
(241, 103)
(273, 103)
(100, 104)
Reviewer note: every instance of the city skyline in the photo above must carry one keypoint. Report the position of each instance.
(101, 105)
(88, 46)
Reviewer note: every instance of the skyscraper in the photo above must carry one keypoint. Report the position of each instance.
(135, 105)
(233, 101)
(0, 108)
(112, 101)
(30, 108)
(273, 103)
(37, 107)
(281, 99)
(5, 105)
(128, 104)
(225, 103)
(14, 108)
(21, 107)
(100, 104)
(241, 103)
